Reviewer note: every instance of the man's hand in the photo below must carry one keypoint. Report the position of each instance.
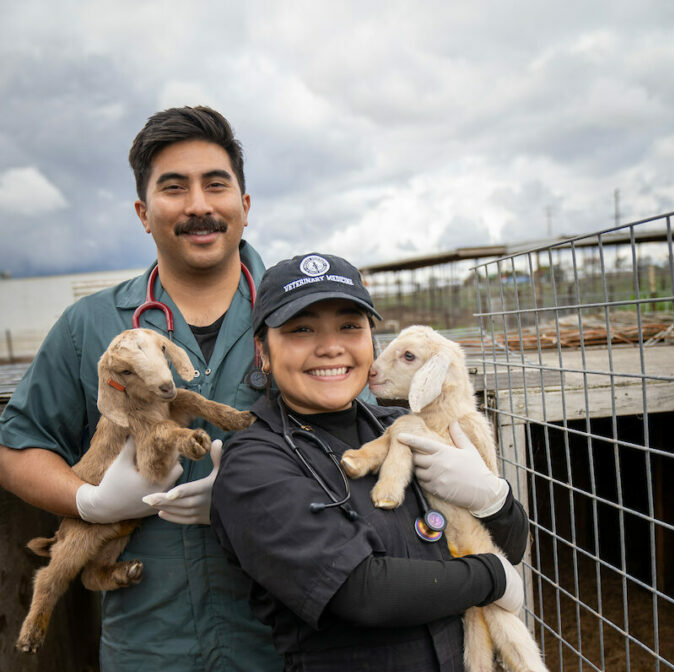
(119, 496)
(457, 473)
(189, 503)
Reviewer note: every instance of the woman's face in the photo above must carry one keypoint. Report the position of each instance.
(320, 359)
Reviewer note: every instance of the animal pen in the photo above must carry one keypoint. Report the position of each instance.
(573, 355)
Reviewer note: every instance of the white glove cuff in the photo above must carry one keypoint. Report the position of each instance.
(85, 505)
(513, 598)
(500, 496)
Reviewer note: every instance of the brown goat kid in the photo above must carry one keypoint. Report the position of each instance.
(137, 397)
(430, 371)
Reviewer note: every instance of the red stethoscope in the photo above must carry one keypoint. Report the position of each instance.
(256, 378)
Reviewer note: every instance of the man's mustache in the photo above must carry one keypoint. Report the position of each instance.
(206, 223)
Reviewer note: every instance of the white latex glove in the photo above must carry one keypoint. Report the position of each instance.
(513, 598)
(189, 503)
(119, 495)
(457, 473)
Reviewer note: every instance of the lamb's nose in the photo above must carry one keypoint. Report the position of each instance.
(166, 388)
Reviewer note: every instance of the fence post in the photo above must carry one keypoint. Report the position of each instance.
(10, 349)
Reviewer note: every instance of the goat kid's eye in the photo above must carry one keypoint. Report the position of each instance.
(409, 356)
(127, 372)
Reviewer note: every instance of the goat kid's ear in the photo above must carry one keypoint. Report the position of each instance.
(111, 402)
(427, 382)
(179, 357)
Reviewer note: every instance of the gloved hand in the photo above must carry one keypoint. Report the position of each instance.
(189, 503)
(513, 598)
(457, 473)
(119, 495)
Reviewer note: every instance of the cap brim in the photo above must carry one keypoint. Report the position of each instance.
(284, 313)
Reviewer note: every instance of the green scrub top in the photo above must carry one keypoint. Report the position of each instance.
(190, 612)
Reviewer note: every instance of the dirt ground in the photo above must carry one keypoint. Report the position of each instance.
(595, 636)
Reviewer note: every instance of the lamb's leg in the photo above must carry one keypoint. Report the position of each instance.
(104, 572)
(478, 650)
(193, 405)
(368, 458)
(513, 641)
(77, 542)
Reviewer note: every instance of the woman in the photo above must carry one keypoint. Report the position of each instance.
(345, 586)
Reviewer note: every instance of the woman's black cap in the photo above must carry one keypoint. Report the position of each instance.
(293, 284)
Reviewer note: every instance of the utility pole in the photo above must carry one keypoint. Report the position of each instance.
(616, 205)
(548, 214)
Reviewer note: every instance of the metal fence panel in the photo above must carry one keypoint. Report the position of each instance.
(578, 344)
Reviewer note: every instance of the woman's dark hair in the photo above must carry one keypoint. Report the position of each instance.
(178, 124)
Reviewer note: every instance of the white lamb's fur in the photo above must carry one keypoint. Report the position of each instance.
(430, 371)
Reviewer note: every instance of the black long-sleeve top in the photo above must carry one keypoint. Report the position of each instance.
(327, 583)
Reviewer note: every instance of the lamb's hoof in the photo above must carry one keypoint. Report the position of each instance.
(198, 445)
(353, 466)
(31, 641)
(384, 498)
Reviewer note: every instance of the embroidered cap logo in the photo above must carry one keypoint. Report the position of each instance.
(313, 265)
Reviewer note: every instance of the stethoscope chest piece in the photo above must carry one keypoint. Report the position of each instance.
(257, 379)
(431, 526)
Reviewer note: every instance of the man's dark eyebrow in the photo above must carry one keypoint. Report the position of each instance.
(167, 177)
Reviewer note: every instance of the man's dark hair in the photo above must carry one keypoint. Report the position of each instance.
(176, 125)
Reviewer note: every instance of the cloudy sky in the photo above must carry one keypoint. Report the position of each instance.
(376, 130)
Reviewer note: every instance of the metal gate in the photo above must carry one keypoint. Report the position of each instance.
(577, 362)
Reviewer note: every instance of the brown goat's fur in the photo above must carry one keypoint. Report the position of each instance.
(430, 371)
(155, 413)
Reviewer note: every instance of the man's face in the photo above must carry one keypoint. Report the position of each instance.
(194, 208)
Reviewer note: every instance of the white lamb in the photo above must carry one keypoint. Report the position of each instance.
(429, 370)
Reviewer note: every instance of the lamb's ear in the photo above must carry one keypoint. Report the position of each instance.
(179, 358)
(111, 400)
(427, 381)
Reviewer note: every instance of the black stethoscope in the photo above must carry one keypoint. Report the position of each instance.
(256, 378)
(428, 527)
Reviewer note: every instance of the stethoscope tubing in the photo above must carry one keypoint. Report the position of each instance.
(151, 303)
(428, 531)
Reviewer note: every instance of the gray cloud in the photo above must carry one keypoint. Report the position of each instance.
(373, 130)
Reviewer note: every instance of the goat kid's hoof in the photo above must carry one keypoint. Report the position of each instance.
(384, 497)
(31, 641)
(198, 445)
(128, 573)
(246, 419)
(353, 465)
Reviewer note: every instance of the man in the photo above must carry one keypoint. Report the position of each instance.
(189, 613)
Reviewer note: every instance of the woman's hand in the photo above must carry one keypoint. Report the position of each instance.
(119, 495)
(189, 503)
(457, 473)
(513, 597)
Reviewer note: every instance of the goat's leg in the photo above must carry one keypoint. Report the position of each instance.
(156, 453)
(513, 641)
(478, 650)
(395, 475)
(368, 458)
(193, 405)
(104, 572)
(77, 542)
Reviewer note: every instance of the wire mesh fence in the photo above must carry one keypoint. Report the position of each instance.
(577, 345)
